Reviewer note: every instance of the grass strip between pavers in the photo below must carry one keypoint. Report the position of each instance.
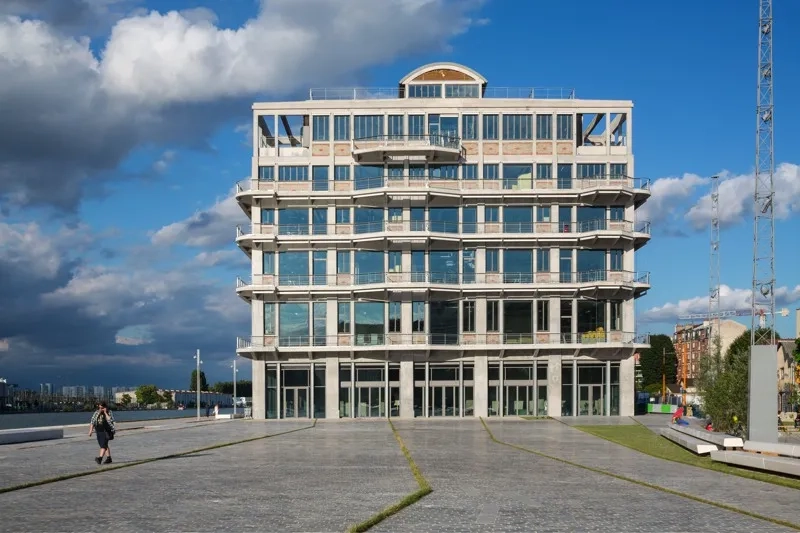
(642, 483)
(414, 497)
(113, 466)
(644, 440)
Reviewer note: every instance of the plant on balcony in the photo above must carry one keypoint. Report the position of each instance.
(593, 337)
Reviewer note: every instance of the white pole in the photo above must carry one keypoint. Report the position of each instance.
(234, 386)
(197, 384)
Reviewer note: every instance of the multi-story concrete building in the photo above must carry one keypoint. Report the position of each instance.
(442, 248)
(692, 342)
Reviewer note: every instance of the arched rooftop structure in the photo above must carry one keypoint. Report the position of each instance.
(443, 71)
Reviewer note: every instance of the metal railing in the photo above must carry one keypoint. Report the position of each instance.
(452, 142)
(615, 227)
(407, 184)
(605, 277)
(389, 93)
(442, 340)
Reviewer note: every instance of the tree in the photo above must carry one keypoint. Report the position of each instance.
(147, 395)
(652, 358)
(126, 400)
(203, 382)
(243, 387)
(166, 398)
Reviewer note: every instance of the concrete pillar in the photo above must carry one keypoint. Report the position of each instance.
(574, 383)
(406, 389)
(607, 387)
(332, 387)
(480, 392)
(501, 397)
(627, 375)
(554, 385)
(259, 370)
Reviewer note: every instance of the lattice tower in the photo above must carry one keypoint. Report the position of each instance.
(714, 274)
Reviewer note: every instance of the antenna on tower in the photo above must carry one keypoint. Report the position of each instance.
(714, 277)
(763, 295)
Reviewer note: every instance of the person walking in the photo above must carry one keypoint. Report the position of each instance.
(103, 424)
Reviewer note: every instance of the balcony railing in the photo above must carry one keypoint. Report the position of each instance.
(390, 93)
(454, 228)
(605, 277)
(442, 340)
(452, 142)
(407, 184)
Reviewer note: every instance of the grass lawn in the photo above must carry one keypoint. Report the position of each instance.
(646, 441)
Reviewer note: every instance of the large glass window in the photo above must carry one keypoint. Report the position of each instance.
(468, 266)
(469, 127)
(369, 267)
(543, 213)
(544, 127)
(396, 128)
(518, 266)
(319, 220)
(293, 173)
(320, 265)
(616, 317)
(293, 324)
(293, 221)
(565, 265)
(444, 266)
(416, 126)
(343, 262)
(395, 317)
(469, 219)
(491, 213)
(266, 173)
(591, 265)
(341, 128)
(341, 172)
(369, 318)
(321, 127)
(319, 177)
(518, 321)
(492, 260)
(615, 260)
(268, 260)
(342, 215)
(619, 170)
(368, 176)
(544, 171)
(564, 178)
(395, 261)
(490, 130)
(543, 260)
(320, 323)
(591, 218)
(368, 219)
(518, 219)
(443, 172)
(492, 316)
(368, 127)
(591, 317)
(517, 127)
(591, 170)
(293, 268)
(517, 176)
(417, 266)
(444, 219)
(469, 172)
(543, 315)
(461, 90)
(444, 322)
(564, 128)
(267, 216)
(615, 213)
(269, 318)
(343, 311)
(425, 91)
(418, 317)
(468, 316)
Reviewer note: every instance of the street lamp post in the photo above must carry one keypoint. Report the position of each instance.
(197, 382)
(234, 387)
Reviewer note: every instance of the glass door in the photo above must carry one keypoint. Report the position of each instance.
(295, 402)
(370, 401)
(444, 400)
(590, 400)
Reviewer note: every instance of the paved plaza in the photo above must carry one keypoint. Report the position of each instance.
(331, 475)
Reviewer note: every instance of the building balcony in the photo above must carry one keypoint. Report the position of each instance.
(600, 284)
(477, 342)
(595, 190)
(441, 148)
(588, 232)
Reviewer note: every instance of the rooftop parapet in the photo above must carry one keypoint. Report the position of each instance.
(391, 93)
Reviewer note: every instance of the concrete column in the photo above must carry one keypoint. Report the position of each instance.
(257, 314)
(426, 393)
(480, 392)
(332, 387)
(574, 385)
(627, 375)
(406, 389)
(554, 385)
(259, 369)
(387, 397)
(607, 394)
(353, 406)
(279, 389)
(461, 389)
(501, 397)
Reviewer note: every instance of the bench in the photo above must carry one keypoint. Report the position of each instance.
(788, 450)
(781, 465)
(15, 436)
(229, 416)
(720, 439)
(687, 441)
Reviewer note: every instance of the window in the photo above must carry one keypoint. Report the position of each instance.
(543, 213)
(616, 213)
(267, 216)
(268, 260)
(367, 127)
(619, 169)
(319, 175)
(416, 125)
(341, 172)
(490, 132)
(293, 324)
(461, 90)
(395, 261)
(468, 317)
(564, 127)
(395, 322)
(492, 260)
(425, 91)
(616, 316)
(443, 172)
(491, 213)
(266, 173)
(395, 126)
(269, 318)
(344, 317)
(517, 176)
(341, 128)
(591, 170)
(469, 127)
(321, 128)
(418, 317)
(469, 219)
(543, 260)
(343, 262)
(469, 172)
(543, 315)
(342, 215)
(491, 171)
(492, 315)
(395, 214)
(517, 127)
(615, 260)
(544, 171)
(564, 176)
(293, 173)
(544, 127)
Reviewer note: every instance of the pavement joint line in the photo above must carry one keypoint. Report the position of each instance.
(410, 499)
(724, 506)
(65, 477)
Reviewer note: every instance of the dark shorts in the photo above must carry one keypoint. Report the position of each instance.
(102, 438)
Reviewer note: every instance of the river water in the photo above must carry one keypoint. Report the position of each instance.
(32, 420)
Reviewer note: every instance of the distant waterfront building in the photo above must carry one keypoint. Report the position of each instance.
(442, 248)
(45, 389)
(98, 391)
(693, 341)
(184, 397)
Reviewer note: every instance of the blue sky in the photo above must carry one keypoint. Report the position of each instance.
(120, 226)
